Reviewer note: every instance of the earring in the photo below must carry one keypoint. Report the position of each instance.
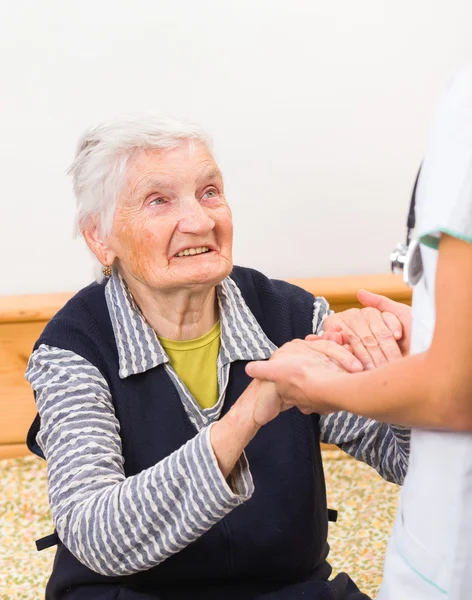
(106, 271)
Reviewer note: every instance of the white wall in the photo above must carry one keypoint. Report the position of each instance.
(319, 111)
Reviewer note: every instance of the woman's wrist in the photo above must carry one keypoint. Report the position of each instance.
(230, 435)
(241, 415)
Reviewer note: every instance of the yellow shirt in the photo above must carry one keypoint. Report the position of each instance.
(194, 361)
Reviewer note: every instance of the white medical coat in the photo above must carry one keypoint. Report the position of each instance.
(429, 555)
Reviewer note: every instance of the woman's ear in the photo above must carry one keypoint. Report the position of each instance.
(98, 244)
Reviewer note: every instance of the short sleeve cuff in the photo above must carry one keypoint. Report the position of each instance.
(431, 238)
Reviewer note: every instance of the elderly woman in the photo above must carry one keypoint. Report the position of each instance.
(161, 482)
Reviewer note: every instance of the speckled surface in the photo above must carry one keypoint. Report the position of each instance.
(365, 502)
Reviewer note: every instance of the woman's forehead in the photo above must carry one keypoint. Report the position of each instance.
(187, 161)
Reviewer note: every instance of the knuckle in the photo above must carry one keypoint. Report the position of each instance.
(385, 335)
(282, 351)
(370, 341)
(392, 351)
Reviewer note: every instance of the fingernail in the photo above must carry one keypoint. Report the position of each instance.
(397, 334)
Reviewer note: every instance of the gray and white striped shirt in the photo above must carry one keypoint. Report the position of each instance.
(118, 525)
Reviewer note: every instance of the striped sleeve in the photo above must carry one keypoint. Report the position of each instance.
(386, 448)
(118, 525)
(321, 311)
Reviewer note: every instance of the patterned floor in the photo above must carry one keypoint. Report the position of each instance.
(365, 502)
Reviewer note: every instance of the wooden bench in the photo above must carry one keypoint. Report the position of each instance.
(22, 319)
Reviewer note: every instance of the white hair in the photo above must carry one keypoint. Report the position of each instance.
(103, 152)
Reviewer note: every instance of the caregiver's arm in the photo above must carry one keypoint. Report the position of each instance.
(432, 389)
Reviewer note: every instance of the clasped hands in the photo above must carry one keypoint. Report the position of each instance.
(353, 341)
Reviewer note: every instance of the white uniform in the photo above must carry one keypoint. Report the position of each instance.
(429, 555)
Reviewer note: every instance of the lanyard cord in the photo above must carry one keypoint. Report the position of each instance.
(411, 221)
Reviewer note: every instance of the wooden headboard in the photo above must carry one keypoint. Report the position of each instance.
(22, 319)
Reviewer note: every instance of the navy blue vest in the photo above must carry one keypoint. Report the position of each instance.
(274, 545)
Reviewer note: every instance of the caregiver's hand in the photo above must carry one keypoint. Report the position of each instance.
(294, 369)
(370, 333)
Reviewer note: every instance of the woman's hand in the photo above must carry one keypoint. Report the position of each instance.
(390, 310)
(262, 401)
(378, 334)
(291, 368)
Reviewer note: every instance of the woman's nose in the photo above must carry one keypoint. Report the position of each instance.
(195, 220)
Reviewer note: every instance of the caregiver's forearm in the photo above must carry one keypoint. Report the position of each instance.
(414, 392)
(235, 430)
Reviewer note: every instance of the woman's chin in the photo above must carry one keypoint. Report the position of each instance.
(210, 271)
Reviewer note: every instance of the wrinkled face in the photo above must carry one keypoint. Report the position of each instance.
(173, 226)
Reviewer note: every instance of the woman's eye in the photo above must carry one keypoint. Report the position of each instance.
(156, 201)
(210, 194)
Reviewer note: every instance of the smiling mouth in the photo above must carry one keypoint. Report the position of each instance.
(193, 251)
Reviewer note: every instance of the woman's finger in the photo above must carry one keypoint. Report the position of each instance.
(383, 334)
(338, 354)
(357, 347)
(333, 336)
(402, 311)
(364, 337)
(339, 337)
(394, 324)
